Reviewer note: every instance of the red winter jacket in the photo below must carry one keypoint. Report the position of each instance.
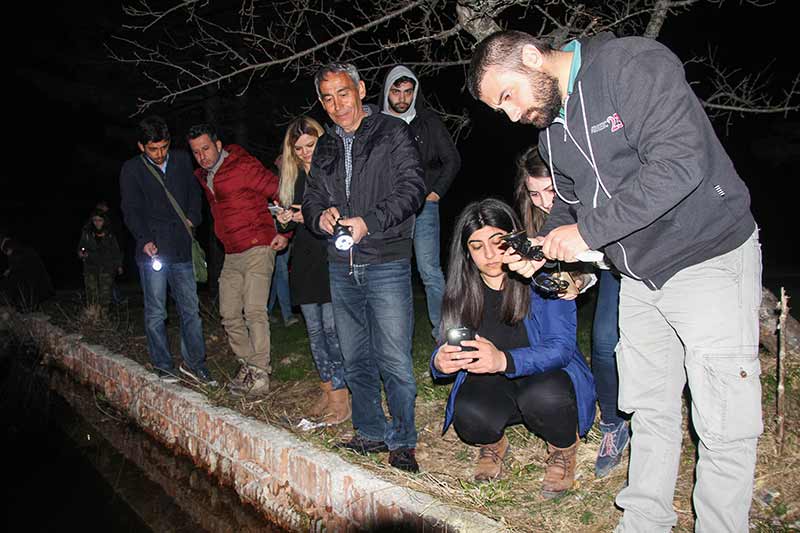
(243, 188)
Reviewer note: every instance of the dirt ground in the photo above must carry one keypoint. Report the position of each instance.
(445, 461)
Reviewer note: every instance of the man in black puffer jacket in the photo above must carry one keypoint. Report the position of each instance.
(402, 98)
(366, 175)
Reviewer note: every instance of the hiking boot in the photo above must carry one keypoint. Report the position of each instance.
(166, 375)
(238, 380)
(616, 438)
(254, 385)
(321, 404)
(291, 321)
(338, 409)
(404, 459)
(200, 375)
(559, 476)
(363, 446)
(490, 460)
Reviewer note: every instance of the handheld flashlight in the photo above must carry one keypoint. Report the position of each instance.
(156, 264)
(342, 237)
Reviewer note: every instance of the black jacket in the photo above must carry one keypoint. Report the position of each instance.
(308, 276)
(440, 157)
(674, 198)
(386, 189)
(148, 212)
(102, 253)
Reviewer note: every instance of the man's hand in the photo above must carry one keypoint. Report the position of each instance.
(328, 219)
(357, 226)
(279, 242)
(524, 267)
(150, 249)
(564, 243)
(572, 288)
(297, 214)
(432, 197)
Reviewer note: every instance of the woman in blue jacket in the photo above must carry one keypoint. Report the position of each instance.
(525, 368)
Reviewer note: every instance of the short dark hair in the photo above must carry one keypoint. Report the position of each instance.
(202, 129)
(502, 48)
(403, 79)
(153, 129)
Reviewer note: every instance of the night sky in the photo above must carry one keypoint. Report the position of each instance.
(72, 128)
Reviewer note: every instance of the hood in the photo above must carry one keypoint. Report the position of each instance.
(398, 72)
(590, 48)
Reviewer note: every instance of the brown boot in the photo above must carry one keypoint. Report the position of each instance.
(338, 409)
(321, 404)
(490, 460)
(254, 385)
(559, 475)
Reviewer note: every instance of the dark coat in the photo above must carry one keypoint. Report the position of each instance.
(27, 283)
(243, 189)
(387, 187)
(440, 157)
(103, 253)
(148, 212)
(308, 275)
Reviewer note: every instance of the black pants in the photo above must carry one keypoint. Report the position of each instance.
(487, 403)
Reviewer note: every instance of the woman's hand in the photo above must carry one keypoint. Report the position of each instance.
(297, 214)
(285, 216)
(572, 289)
(487, 359)
(450, 359)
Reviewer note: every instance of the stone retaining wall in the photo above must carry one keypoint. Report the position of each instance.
(300, 486)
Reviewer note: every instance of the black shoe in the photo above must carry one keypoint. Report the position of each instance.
(166, 375)
(363, 446)
(200, 375)
(404, 459)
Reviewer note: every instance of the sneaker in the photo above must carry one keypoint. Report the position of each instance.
(363, 446)
(292, 321)
(616, 438)
(201, 375)
(404, 459)
(166, 376)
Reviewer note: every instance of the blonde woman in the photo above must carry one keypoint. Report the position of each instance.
(308, 278)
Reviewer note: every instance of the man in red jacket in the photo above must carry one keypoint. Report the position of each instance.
(239, 190)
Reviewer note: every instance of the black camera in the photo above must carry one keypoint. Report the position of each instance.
(548, 283)
(342, 237)
(461, 333)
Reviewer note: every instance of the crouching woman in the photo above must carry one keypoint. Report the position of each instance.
(526, 367)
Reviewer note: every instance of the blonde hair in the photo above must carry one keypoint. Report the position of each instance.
(290, 163)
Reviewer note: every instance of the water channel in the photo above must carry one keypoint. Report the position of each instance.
(74, 464)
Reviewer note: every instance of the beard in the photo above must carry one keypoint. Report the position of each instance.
(545, 87)
(399, 107)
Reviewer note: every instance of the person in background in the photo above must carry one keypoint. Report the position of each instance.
(25, 283)
(308, 278)
(534, 197)
(115, 224)
(279, 289)
(525, 366)
(102, 261)
(402, 98)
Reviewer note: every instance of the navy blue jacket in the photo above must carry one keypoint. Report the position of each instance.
(148, 212)
(551, 326)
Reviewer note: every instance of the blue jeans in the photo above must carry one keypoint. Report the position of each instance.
(324, 343)
(426, 252)
(375, 323)
(605, 335)
(180, 279)
(280, 286)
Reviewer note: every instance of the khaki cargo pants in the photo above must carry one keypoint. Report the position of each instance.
(701, 327)
(243, 292)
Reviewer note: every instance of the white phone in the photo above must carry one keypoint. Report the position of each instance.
(275, 209)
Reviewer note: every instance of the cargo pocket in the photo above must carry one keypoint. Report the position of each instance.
(726, 397)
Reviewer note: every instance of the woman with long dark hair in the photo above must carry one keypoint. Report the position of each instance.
(534, 197)
(308, 278)
(525, 368)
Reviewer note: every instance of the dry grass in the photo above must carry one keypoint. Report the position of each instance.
(447, 463)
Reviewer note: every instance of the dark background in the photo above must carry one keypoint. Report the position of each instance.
(72, 124)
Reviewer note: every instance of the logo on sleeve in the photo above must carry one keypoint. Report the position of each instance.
(612, 121)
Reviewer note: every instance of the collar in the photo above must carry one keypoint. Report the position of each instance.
(350, 134)
(573, 46)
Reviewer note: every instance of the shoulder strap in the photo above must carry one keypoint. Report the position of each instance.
(171, 198)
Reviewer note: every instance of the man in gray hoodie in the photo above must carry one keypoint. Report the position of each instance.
(632, 150)
(402, 98)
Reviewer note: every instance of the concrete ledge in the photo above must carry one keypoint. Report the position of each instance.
(301, 486)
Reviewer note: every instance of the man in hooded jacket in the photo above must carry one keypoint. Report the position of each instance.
(632, 150)
(440, 159)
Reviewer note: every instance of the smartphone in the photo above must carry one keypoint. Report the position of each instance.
(275, 209)
(456, 335)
